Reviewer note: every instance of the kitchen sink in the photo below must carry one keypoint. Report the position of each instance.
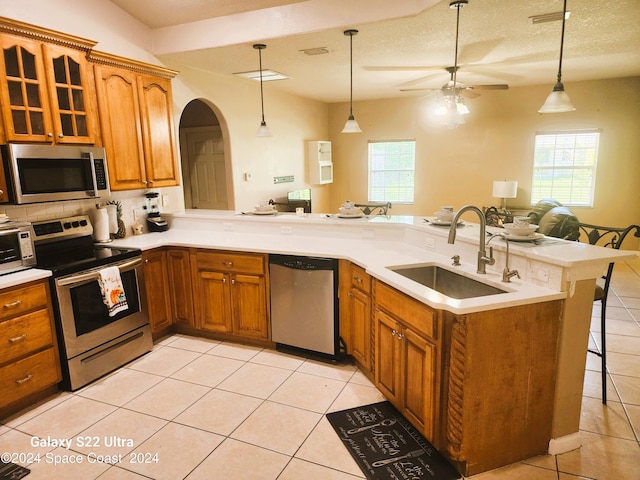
(447, 282)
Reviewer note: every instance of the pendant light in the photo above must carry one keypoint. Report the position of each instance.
(263, 131)
(352, 125)
(558, 100)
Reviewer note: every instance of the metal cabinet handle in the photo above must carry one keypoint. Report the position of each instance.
(394, 332)
(20, 381)
(233, 282)
(12, 304)
(227, 263)
(401, 336)
(357, 279)
(150, 181)
(18, 338)
(224, 280)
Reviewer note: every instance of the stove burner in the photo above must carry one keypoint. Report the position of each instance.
(65, 246)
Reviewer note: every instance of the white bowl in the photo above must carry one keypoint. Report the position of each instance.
(263, 208)
(520, 231)
(349, 211)
(444, 216)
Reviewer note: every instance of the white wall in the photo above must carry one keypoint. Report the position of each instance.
(457, 167)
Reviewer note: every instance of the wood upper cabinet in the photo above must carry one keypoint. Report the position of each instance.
(46, 88)
(136, 120)
(355, 313)
(406, 357)
(157, 289)
(230, 293)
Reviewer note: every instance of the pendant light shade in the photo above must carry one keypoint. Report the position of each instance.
(351, 126)
(263, 130)
(558, 100)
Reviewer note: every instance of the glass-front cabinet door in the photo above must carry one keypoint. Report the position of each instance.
(43, 88)
(68, 77)
(23, 90)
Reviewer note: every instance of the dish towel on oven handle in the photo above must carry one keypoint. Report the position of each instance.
(112, 290)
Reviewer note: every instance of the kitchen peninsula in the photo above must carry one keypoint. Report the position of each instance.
(470, 352)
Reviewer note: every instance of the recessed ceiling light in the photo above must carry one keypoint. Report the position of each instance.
(315, 51)
(548, 17)
(267, 75)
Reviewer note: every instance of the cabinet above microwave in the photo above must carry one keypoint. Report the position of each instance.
(49, 173)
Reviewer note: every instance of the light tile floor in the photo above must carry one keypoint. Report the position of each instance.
(200, 409)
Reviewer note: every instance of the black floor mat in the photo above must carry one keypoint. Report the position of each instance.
(387, 447)
(11, 471)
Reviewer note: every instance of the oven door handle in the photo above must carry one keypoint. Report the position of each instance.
(93, 275)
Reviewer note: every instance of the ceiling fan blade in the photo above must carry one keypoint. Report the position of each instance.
(500, 86)
(417, 81)
(398, 68)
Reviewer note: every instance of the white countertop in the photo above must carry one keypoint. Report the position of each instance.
(379, 242)
(23, 276)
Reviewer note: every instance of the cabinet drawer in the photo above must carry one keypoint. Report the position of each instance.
(22, 335)
(21, 300)
(32, 374)
(231, 262)
(360, 279)
(410, 311)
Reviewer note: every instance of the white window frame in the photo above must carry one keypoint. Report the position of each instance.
(405, 189)
(572, 167)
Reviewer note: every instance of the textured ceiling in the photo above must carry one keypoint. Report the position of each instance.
(395, 50)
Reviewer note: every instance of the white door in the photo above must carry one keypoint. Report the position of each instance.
(207, 169)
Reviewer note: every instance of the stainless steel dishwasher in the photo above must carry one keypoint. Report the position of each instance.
(304, 303)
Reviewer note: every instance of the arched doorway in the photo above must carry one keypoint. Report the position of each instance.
(206, 169)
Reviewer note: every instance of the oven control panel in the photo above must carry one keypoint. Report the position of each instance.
(68, 227)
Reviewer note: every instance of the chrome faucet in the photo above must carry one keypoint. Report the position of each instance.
(483, 260)
(506, 273)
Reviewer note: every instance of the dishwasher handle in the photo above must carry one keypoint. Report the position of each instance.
(296, 262)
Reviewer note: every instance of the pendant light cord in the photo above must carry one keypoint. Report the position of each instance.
(261, 92)
(351, 75)
(564, 15)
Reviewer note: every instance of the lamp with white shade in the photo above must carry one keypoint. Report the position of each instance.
(505, 189)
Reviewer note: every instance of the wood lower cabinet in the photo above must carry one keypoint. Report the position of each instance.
(29, 359)
(230, 293)
(355, 313)
(406, 361)
(157, 289)
(179, 273)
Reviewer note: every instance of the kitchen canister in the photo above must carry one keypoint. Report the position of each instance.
(101, 225)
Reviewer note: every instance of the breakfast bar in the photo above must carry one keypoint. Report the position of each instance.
(550, 306)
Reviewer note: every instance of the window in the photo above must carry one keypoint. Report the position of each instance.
(392, 171)
(564, 167)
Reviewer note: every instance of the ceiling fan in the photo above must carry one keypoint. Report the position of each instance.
(481, 48)
(454, 87)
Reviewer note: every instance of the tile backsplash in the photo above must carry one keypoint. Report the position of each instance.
(133, 203)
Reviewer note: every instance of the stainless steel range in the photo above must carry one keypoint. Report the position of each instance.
(92, 342)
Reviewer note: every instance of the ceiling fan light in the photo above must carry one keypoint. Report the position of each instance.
(351, 126)
(263, 130)
(558, 101)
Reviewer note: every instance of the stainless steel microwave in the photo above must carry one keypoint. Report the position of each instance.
(50, 173)
(16, 247)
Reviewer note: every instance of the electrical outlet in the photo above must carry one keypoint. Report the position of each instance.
(227, 227)
(286, 229)
(165, 200)
(430, 243)
(541, 274)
